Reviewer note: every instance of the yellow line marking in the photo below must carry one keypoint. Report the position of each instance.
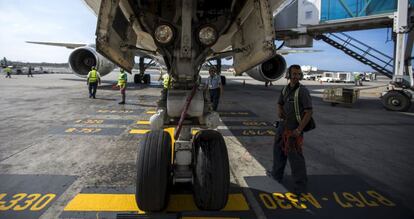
(138, 131)
(151, 112)
(126, 202)
(103, 202)
(185, 202)
(142, 122)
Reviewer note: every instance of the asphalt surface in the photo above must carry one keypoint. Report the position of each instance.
(63, 155)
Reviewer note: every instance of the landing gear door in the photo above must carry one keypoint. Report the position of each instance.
(114, 33)
(255, 35)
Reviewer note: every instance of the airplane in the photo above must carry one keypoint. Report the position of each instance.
(182, 35)
(185, 34)
(84, 56)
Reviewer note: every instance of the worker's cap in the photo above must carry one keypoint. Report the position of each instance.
(10, 66)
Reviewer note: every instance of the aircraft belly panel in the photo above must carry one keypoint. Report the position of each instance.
(255, 36)
(114, 33)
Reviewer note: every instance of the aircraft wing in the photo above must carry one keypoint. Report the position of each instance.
(67, 45)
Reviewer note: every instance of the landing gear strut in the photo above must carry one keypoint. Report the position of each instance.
(200, 159)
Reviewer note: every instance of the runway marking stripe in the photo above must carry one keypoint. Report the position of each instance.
(142, 122)
(151, 112)
(138, 131)
(126, 202)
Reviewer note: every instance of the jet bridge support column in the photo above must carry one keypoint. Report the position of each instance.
(398, 98)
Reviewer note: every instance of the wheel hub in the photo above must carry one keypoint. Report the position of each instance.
(395, 102)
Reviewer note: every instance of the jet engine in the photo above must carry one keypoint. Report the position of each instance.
(270, 70)
(82, 59)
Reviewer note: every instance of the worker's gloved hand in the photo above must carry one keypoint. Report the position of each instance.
(296, 133)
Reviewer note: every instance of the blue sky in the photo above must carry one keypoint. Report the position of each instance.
(73, 21)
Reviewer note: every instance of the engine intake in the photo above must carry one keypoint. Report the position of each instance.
(270, 70)
(82, 59)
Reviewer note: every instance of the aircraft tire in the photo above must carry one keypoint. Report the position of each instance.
(147, 78)
(211, 170)
(396, 101)
(137, 79)
(153, 171)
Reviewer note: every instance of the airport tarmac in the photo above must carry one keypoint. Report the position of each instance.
(63, 155)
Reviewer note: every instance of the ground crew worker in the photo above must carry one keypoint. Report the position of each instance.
(93, 79)
(356, 79)
(29, 73)
(122, 81)
(8, 71)
(215, 87)
(166, 84)
(166, 81)
(295, 111)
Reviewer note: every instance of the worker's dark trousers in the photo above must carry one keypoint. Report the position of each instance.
(92, 89)
(296, 160)
(215, 97)
(8, 75)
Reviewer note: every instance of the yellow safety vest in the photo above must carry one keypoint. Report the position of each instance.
(122, 79)
(7, 70)
(166, 82)
(93, 76)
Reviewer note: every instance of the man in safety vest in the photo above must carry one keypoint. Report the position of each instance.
(8, 71)
(295, 111)
(122, 82)
(93, 79)
(214, 86)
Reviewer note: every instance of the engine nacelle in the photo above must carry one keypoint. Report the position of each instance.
(82, 59)
(270, 70)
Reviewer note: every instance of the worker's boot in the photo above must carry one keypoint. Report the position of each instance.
(123, 100)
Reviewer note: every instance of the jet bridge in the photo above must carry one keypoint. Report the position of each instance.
(325, 19)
